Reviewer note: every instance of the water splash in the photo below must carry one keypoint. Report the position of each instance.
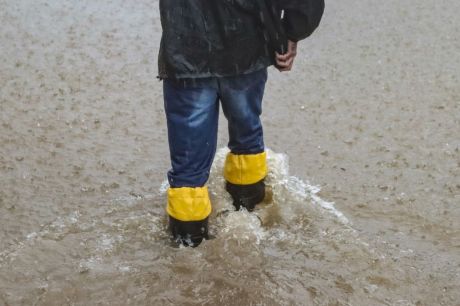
(293, 202)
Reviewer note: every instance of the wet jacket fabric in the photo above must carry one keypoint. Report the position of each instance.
(214, 38)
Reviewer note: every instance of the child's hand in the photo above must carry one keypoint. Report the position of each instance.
(284, 62)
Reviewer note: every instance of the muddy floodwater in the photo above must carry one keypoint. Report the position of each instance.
(364, 158)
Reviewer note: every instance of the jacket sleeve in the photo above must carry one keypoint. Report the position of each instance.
(301, 17)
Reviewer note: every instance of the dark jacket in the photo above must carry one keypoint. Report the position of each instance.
(203, 38)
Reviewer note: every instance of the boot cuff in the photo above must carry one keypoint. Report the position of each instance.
(189, 204)
(245, 169)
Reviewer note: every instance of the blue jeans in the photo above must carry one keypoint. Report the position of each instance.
(192, 112)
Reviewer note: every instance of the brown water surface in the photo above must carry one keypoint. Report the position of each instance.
(368, 121)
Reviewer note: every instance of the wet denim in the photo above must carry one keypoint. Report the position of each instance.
(192, 113)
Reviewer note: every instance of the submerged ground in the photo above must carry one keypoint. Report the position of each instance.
(370, 115)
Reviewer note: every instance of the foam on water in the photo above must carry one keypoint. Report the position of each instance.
(279, 162)
(292, 198)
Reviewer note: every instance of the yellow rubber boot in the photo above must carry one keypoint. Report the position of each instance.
(188, 209)
(244, 175)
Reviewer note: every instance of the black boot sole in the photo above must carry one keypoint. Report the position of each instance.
(247, 196)
(188, 233)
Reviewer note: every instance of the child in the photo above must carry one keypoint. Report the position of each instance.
(219, 51)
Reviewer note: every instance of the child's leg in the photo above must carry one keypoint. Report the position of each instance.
(245, 166)
(192, 111)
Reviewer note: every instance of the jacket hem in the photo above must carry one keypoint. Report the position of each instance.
(213, 74)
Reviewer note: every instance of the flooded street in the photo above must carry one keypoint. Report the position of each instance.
(364, 164)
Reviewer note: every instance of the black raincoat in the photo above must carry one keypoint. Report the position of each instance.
(204, 38)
